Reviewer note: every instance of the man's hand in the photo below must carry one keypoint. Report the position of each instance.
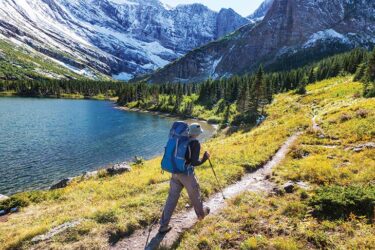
(207, 155)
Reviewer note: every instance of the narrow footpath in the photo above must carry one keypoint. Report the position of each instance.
(256, 182)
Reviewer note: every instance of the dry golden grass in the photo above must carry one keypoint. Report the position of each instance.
(322, 157)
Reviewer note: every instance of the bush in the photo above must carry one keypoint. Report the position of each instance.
(345, 117)
(301, 90)
(336, 202)
(139, 161)
(362, 113)
(249, 244)
(295, 209)
(105, 217)
(14, 202)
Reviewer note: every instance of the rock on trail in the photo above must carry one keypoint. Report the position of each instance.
(256, 182)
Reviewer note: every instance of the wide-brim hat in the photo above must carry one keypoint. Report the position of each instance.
(195, 129)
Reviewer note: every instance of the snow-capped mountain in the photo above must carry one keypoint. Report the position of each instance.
(261, 12)
(122, 38)
(293, 32)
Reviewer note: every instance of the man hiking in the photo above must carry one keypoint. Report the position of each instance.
(187, 180)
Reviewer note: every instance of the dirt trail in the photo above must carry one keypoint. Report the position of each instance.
(254, 182)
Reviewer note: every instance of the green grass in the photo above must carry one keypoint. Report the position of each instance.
(214, 115)
(18, 63)
(328, 218)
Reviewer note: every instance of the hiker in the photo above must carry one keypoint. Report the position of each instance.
(187, 180)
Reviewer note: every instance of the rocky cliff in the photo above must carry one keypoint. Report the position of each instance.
(292, 32)
(122, 38)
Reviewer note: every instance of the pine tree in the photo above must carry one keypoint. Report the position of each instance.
(370, 72)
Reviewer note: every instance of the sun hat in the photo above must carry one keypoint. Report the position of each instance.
(195, 129)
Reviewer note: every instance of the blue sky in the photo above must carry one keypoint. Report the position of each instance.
(243, 7)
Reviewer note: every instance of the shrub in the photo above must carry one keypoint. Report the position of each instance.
(299, 153)
(139, 161)
(285, 244)
(345, 117)
(362, 113)
(295, 209)
(102, 173)
(301, 90)
(203, 244)
(336, 202)
(13, 202)
(105, 217)
(249, 244)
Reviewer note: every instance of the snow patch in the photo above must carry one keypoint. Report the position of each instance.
(123, 76)
(325, 35)
(214, 66)
(124, 2)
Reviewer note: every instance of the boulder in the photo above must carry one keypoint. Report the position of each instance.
(277, 191)
(119, 169)
(62, 184)
(303, 185)
(57, 230)
(87, 175)
(361, 147)
(3, 197)
(14, 210)
(289, 187)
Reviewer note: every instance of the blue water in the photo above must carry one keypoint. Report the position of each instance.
(45, 140)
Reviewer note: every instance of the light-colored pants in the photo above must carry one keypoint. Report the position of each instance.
(177, 183)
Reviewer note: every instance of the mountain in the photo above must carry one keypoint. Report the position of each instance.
(292, 33)
(122, 38)
(261, 12)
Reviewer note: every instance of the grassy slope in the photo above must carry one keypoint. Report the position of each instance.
(21, 64)
(117, 205)
(283, 222)
(214, 115)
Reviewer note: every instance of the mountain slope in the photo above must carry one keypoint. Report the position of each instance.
(261, 12)
(298, 30)
(120, 38)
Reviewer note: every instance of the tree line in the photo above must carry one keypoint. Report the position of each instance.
(57, 88)
(251, 92)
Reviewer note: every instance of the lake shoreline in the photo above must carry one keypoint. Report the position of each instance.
(63, 97)
(166, 114)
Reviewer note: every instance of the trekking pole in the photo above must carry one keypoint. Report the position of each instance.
(218, 183)
(149, 231)
(150, 228)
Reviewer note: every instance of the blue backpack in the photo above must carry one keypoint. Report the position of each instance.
(175, 151)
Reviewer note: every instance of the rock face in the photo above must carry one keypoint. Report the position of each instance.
(61, 184)
(119, 169)
(3, 197)
(294, 30)
(122, 38)
(260, 13)
(289, 187)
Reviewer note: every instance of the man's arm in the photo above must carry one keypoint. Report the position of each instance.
(195, 148)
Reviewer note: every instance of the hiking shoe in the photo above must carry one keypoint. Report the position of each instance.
(206, 211)
(165, 229)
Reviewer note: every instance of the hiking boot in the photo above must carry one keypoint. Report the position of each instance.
(206, 211)
(164, 229)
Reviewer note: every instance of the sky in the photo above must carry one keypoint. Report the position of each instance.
(243, 7)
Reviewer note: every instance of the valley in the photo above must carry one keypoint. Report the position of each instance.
(86, 84)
